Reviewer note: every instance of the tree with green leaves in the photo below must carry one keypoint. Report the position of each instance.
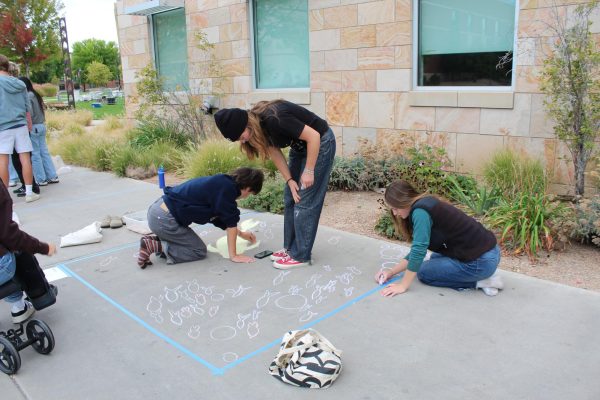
(94, 50)
(29, 31)
(98, 74)
(570, 79)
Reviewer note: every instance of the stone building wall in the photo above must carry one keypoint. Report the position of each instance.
(361, 78)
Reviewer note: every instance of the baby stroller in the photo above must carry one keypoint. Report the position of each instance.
(29, 278)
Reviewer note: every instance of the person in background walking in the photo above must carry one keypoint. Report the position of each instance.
(465, 254)
(43, 168)
(263, 131)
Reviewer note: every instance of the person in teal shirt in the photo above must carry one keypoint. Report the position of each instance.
(465, 255)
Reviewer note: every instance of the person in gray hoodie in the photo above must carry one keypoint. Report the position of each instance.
(15, 124)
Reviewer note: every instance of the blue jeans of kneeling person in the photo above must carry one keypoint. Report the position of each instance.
(301, 219)
(8, 266)
(449, 272)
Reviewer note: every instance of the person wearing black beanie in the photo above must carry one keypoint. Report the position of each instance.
(262, 132)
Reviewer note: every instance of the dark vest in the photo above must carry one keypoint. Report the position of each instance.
(453, 233)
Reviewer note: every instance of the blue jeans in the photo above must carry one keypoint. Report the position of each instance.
(41, 162)
(301, 220)
(449, 272)
(13, 176)
(8, 266)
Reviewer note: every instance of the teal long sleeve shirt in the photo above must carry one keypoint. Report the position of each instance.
(421, 221)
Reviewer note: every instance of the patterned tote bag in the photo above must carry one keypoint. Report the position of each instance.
(306, 359)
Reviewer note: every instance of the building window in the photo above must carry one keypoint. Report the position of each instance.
(281, 56)
(461, 42)
(170, 48)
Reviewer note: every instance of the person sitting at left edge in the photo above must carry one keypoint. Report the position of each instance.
(199, 200)
(13, 244)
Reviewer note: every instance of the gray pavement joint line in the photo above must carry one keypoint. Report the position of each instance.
(188, 352)
(19, 387)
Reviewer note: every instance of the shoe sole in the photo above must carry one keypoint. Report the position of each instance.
(279, 266)
(24, 317)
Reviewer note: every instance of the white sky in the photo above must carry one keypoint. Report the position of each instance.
(90, 19)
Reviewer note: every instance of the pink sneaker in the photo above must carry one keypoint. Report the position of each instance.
(278, 255)
(289, 263)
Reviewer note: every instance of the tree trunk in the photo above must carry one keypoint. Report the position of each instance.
(579, 163)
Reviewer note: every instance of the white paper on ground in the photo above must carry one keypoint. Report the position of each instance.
(87, 235)
(54, 274)
(137, 222)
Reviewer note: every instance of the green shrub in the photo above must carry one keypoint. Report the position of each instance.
(479, 200)
(587, 227)
(269, 199)
(215, 156)
(156, 131)
(163, 153)
(514, 174)
(385, 226)
(112, 123)
(528, 222)
(46, 89)
(57, 120)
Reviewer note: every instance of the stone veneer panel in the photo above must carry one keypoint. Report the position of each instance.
(376, 12)
(376, 110)
(342, 108)
(351, 137)
(541, 149)
(404, 10)
(326, 81)
(416, 118)
(513, 122)
(317, 104)
(339, 17)
(358, 36)
(341, 60)
(403, 56)
(470, 161)
(328, 39)
(376, 58)
(394, 34)
(541, 124)
(461, 120)
(393, 80)
(359, 81)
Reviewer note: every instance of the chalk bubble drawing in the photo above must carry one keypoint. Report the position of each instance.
(292, 302)
(242, 245)
(213, 311)
(241, 322)
(348, 291)
(230, 357)
(223, 332)
(307, 316)
(327, 268)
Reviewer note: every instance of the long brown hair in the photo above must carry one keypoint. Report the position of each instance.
(258, 144)
(401, 194)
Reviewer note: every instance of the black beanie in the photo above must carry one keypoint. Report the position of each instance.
(231, 122)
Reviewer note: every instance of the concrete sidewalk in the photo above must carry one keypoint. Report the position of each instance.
(209, 329)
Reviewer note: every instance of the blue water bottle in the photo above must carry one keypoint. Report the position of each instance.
(161, 177)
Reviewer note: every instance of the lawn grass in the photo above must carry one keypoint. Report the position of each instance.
(117, 109)
(106, 110)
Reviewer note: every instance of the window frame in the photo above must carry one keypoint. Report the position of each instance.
(253, 59)
(153, 53)
(415, 60)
